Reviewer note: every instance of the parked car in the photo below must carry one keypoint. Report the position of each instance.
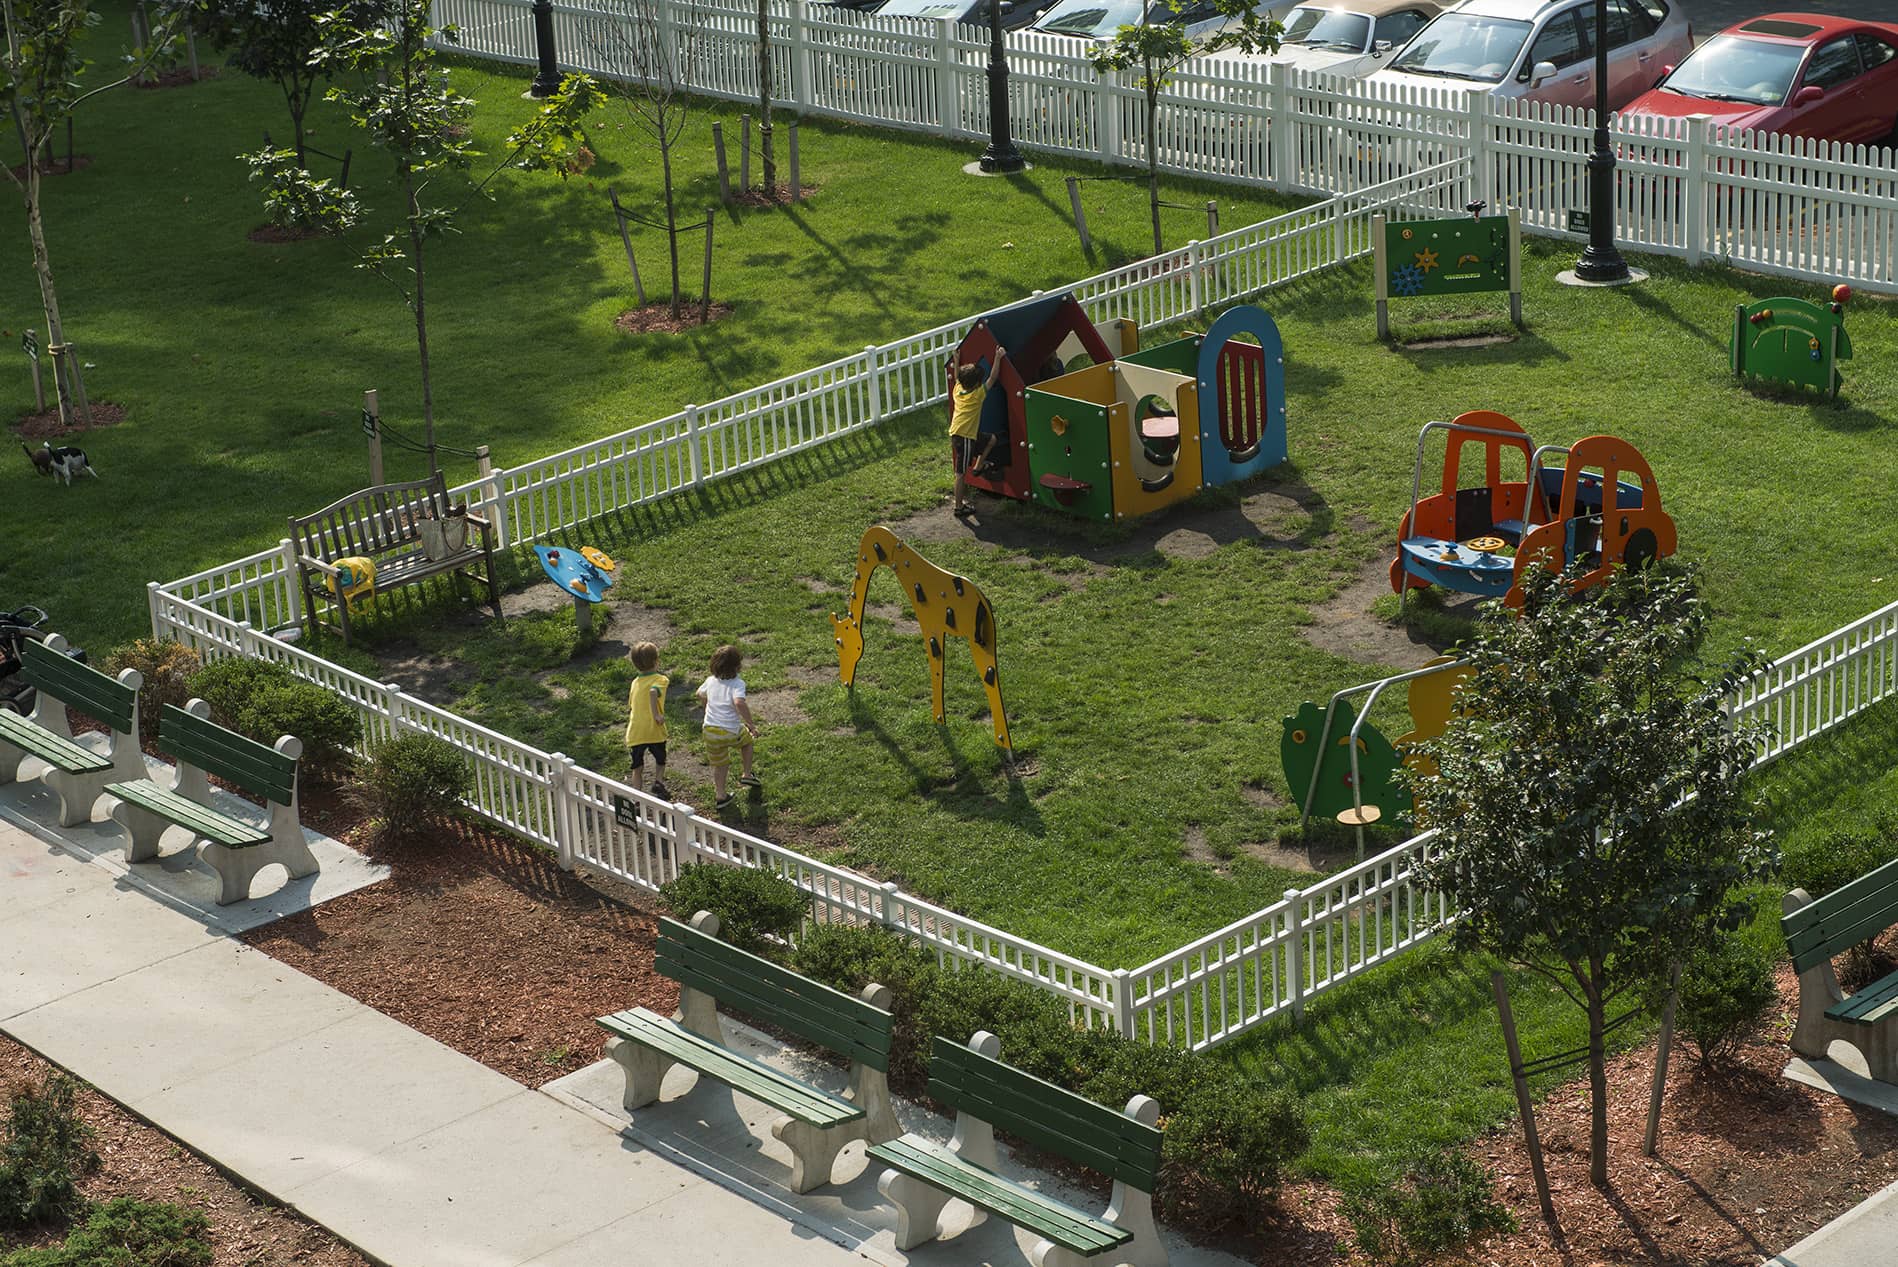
(1543, 50)
(1099, 19)
(1805, 73)
(1350, 41)
(1015, 13)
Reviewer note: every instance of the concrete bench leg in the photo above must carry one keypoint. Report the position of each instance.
(1049, 1254)
(236, 868)
(10, 758)
(142, 830)
(814, 1149)
(918, 1205)
(78, 793)
(645, 1069)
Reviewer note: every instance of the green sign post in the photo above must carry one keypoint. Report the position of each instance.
(1421, 258)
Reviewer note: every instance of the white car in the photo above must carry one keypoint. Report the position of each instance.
(1544, 50)
(1350, 40)
(1099, 19)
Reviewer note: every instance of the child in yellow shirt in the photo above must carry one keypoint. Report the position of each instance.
(646, 720)
(965, 423)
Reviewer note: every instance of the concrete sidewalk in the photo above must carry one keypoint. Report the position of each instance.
(1863, 1236)
(409, 1150)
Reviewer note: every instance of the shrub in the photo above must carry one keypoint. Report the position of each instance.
(167, 668)
(1223, 1150)
(263, 700)
(47, 1149)
(412, 782)
(1439, 1204)
(1836, 858)
(1725, 990)
(126, 1232)
(1037, 1036)
(754, 907)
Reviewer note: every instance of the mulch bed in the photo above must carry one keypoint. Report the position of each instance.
(55, 166)
(482, 943)
(177, 77)
(778, 197)
(657, 318)
(273, 233)
(138, 1160)
(47, 426)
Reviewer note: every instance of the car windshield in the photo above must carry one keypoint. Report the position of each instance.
(926, 9)
(1100, 17)
(1327, 28)
(1730, 68)
(1465, 46)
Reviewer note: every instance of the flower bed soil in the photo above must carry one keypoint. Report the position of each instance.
(139, 1160)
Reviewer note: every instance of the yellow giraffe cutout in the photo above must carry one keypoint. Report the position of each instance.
(945, 604)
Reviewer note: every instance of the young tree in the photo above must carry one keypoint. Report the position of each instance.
(41, 91)
(764, 100)
(656, 58)
(1156, 50)
(1594, 825)
(276, 40)
(404, 101)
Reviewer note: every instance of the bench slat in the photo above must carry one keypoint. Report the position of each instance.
(252, 766)
(759, 1081)
(229, 832)
(1050, 1117)
(1829, 924)
(1021, 1206)
(79, 685)
(1870, 1005)
(54, 749)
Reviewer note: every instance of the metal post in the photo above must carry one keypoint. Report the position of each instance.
(705, 295)
(1651, 1140)
(1523, 1104)
(744, 153)
(1381, 277)
(547, 78)
(1601, 261)
(718, 153)
(1515, 267)
(1001, 155)
(372, 423)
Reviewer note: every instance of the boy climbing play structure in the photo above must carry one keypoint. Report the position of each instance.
(946, 605)
(1139, 428)
(1480, 538)
(1793, 341)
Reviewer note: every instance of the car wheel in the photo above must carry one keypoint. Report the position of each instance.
(1640, 551)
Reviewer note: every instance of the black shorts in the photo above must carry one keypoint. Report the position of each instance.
(962, 450)
(639, 751)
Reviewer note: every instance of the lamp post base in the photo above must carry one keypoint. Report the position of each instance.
(1574, 277)
(978, 169)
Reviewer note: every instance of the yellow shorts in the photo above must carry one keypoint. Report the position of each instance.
(720, 742)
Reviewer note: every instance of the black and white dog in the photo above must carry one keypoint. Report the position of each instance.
(64, 461)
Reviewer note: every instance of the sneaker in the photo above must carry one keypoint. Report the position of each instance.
(989, 470)
(964, 512)
(724, 802)
(751, 780)
(660, 790)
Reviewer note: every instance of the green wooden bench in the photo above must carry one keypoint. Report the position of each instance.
(815, 1124)
(77, 773)
(987, 1094)
(235, 849)
(1816, 930)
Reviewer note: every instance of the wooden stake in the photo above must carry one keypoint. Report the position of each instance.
(484, 461)
(1523, 1103)
(1080, 216)
(724, 172)
(374, 410)
(619, 218)
(1651, 1140)
(705, 294)
(1212, 218)
(797, 189)
(744, 153)
(191, 49)
(66, 361)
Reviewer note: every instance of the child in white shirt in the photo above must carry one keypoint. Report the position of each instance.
(728, 721)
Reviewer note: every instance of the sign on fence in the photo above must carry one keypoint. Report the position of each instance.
(626, 811)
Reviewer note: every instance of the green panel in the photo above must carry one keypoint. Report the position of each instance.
(1462, 256)
(1869, 1006)
(1050, 1117)
(759, 1081)
(44, 744)
(79, 685)
(1025, 1208)
(1179, 356)
(256, 768)
(1774, 338)
(1844, 917)
(207, 822)
(1067, 439)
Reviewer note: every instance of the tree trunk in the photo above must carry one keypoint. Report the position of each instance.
(672, 217)
(43, 271)
(421, 316)
(1153, 160)
(764, 99)
(1597, 1081)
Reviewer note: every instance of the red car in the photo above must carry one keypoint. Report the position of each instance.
(1804, 73)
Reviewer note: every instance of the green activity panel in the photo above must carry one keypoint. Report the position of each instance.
(1331, 795)
(1793, 341)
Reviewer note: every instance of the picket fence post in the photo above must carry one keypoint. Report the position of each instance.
(287, 598)
(800, 68)
(1108, 103)
(151, 603)
(494, 495)
(1282, 128)
(566, 809)
(874, 375)
(1195, 293)
(1480, 109)
(692, 445)
(948, 80)
(1124, 1002)
(1694, 187)
(1295, 950)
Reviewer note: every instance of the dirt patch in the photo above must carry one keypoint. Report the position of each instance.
(277, 234)
(1193, 848)
(47, 426)
(138, 1160)
(1460, 341)
(424, 674)
(777, 707)
(1260, 796)
(780, 196)
(177, 77)
(481, 942)
(806, 675)
(1320, 857)
(1344, 625)
(56, 166)
(817, 585)
(658, 319)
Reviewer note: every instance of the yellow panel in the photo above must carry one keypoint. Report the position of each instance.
(1131, 497)
(1095, 384)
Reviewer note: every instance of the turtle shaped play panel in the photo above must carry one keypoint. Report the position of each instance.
(1331, 793)
(585, 573)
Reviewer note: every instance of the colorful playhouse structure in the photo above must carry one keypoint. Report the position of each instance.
(1480, 537)
(1128, 430)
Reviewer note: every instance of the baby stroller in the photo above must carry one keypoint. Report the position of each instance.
(17, 628)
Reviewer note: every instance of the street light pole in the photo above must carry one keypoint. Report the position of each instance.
(1601, 262)
(547, 78)
(1001, 155)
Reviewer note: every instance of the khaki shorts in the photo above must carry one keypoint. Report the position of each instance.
(720, 742)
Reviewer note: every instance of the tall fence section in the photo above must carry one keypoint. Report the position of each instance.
(1791, 206)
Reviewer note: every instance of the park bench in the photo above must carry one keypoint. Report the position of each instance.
(816, 1124)
(77, 773)
(1818, 929)
(988, 1095)
(387, 525)
(235, 849)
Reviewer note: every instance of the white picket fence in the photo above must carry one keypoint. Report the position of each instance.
(1784, 205)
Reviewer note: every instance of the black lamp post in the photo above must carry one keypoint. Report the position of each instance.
(1600, 261)
(547, 78)
(1001, 155)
